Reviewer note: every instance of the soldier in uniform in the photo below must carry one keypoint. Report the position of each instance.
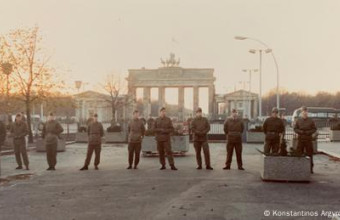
(136, 131)
(19, 131)
(89, 120)
(95, 133)
(163, 128)
(273, 129)
(23, 117)
(233, 128)
(283, 144)
(51, 131)
(200, 127)
(305, 127)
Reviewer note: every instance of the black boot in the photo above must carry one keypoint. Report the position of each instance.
(84, 168)
(173, 167)
(209, 168)
(19, 168)
(129, 167)
(199, 167)
(163, 167)
(226, 167)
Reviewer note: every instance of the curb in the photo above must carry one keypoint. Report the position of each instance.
(9, 152)
(330, 154)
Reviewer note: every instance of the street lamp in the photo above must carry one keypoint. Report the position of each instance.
(78, 84)
(7, 69)
(267, 50)
(250, 71)
(253, 51)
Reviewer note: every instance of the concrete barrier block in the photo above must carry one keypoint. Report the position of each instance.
(335, 135)
(285, 168)
(255, 137)
(115, 137)
(40, 145)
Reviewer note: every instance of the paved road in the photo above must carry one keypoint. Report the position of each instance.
(148, 193)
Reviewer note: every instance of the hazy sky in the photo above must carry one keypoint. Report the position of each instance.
(94, 38)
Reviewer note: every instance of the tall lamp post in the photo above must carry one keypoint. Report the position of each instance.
(267, 50)
(253, 51)
(250, 71)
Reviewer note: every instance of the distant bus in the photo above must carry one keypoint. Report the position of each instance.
(320, 115)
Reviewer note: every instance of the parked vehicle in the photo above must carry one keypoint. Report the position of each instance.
(320, 115)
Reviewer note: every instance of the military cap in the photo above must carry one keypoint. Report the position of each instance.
(276, 110)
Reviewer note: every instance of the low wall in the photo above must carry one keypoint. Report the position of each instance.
(179, 144)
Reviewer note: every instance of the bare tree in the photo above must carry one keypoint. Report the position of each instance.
(114, 86)
(33, 78)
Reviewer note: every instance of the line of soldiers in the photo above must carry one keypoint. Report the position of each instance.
(19, 130)
(200, 127)
(273, 127)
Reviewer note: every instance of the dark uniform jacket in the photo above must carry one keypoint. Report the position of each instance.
(136, 131)
(200, 127)
(272, 127)
(51, 131)
(163, 128)
(233, 128)
(2, 133)
(19, 131)
(305, 128)
(95, 132)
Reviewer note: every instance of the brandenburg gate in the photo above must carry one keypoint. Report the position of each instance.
(171, 75)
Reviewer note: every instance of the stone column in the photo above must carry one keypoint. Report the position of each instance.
(211, 98)
(251, 109)
(83, 111)
(181, 103)
(229, 107)
(147, 101)
(256, 110)
(131, 101)
(132, 91)
(161, 96)
(195, 97)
